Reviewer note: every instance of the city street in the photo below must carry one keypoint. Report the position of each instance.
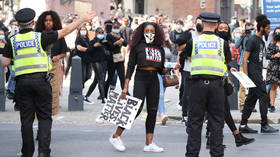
(76, 134)
(92, 140)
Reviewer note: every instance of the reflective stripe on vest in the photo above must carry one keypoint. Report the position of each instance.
(27, 67)
(207, 56)
(28, 54)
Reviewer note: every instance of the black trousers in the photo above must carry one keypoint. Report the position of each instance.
(98, 68)
(111, 71)
(206, 96)
(259, 92)
(34, 96)
(146, 86)
(228, 117)
(185, 87)
(182, 88)
(86, 72)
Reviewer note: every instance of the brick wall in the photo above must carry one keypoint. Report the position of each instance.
(67, 8)
(182, 8)
(164, 6)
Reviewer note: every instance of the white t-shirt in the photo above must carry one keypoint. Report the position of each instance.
(187, 66)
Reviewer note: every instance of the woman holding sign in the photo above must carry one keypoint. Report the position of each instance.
(148, 54)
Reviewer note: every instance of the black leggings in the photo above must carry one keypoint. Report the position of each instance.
(69, 62)
(146, 85)
(86, 72)
(112, 67)
(98, 68)
(228, 117)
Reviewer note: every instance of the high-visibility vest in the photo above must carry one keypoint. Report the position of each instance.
(208, 56)
(28, 54)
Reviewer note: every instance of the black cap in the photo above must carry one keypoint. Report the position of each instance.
(108, 21)
(25, 16)
(210, 17)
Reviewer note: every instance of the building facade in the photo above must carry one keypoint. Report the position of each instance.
(65, 7)
(180, 8)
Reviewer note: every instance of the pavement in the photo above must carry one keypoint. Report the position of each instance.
(90, 112)
(92, 141)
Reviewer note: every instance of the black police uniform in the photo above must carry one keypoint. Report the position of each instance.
(33, 94)
(207, 95)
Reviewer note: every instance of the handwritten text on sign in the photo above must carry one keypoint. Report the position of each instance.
(120, 112)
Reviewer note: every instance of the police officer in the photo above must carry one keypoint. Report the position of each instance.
(209, 55)
(26, 51)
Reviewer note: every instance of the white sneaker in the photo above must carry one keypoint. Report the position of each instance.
(87, 101)
(166, 100)
(153, 148)
(98, 120)
(179, 107)
(164, 118)
(117, 143)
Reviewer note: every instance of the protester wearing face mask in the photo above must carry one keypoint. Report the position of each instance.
(174, 35)
(82, 44)
(148, 37)
(13, 29)
(168, 57)
(273, 54)
(184, 63)
(91, 34)
(108, 29)
(96, 52)
(253, 65)
(116, 62)
(236, 35)
(241, 45)
(2, 41)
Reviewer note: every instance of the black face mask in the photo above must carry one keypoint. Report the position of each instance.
(199, 27)
(108, 28)
(223, 35)
(276, 36)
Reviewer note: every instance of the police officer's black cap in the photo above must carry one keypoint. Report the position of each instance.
(210, 17)
(25, 16)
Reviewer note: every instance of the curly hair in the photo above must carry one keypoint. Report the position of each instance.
(138, 35)
(40, 25)
(262, 21)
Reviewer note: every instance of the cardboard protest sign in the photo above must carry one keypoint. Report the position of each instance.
(244, 79)
(120, 112)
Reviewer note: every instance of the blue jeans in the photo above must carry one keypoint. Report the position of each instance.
(268, 88)
(11, 82)
(161, 105)
(175, 57)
